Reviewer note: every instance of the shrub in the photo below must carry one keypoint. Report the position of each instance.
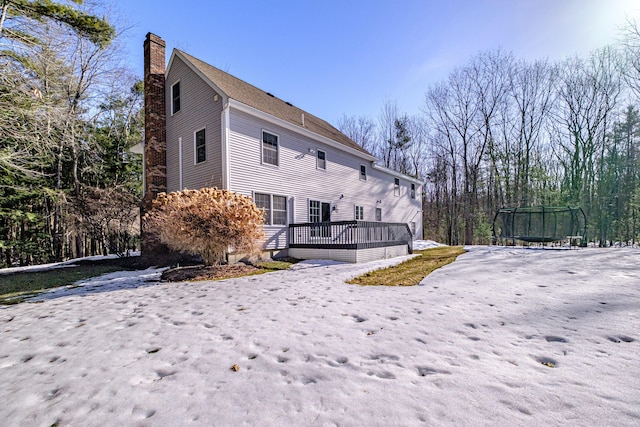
(206, 222)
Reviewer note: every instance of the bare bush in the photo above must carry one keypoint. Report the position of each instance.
(206, 222)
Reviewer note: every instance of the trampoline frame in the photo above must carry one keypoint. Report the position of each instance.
(516, 223)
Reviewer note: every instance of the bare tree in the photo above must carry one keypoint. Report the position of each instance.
(631, 48)
(361, 129)
(588, 91)
(516, 145)
(387, 131)
(439, 109)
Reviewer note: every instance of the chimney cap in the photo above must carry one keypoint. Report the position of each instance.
(154, 38)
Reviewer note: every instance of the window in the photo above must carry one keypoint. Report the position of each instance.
(175, 98)
(413, 191)
(314, 211)
(322, 160)
(396, 186)
(269, 148)
(413, 229)
(363, 173)
(201, 146)
(378, 214)
(279, 210)
(359, 213)
(263, 201)
(320, 212)
(275, 208)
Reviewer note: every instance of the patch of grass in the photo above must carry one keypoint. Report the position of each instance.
(274, 265)
(15, 287)
(411, 272)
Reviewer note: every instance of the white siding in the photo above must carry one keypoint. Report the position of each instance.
(297, 177)
(350, 255)
(198, 110)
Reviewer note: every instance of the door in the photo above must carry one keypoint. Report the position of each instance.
(320, 212)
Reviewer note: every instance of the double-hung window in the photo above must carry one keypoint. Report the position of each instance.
(413, 191)
(363, 173)
(359, 213)
(378, 214)
(263, 201)
(274, 207)
(175, 98)
(269, 148)
(279, 210)
(396, 186)
(322, 160)
(200, 144)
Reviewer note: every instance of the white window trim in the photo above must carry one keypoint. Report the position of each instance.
(271, 195)
(412, 191)
(179, 97)
(355, 212)
(262, 149)
(396, 188)
(286, 210)
(376, 214)
(318, 151)
(195, 147)
(360, 172)
(321, 202)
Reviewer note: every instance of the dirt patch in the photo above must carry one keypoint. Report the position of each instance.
(216, 272)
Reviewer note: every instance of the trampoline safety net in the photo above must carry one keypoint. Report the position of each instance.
(539, 223)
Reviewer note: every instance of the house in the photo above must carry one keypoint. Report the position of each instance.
(324, 196)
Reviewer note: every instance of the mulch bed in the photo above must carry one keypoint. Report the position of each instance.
(200, 272)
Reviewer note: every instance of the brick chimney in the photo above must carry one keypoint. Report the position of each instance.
(155, 133)
(155, 140)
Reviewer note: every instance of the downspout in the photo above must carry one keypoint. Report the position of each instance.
(180, 163)
(224, 120)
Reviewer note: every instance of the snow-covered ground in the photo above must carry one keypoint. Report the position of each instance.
(503, 336)
(425, 244)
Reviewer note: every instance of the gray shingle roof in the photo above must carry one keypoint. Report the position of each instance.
(250, 95)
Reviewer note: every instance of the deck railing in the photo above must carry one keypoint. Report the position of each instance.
(349, 235)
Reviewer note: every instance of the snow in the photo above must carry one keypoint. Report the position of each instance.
(425, 244)
(503, 336)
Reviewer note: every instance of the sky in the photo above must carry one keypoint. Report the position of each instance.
(503, 336)
(336, 57)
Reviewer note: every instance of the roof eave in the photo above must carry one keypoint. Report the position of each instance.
(195, 69)
(397, 174)
(298, 129)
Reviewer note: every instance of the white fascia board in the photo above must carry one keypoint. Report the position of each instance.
(206, 79)
(397, 174)
(294, 128)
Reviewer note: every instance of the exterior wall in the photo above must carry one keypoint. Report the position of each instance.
(197, 110)
(349, 255)
(298, 178)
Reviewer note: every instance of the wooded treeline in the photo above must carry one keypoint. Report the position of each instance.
(503, 132)
(499, 131)
(69, 110)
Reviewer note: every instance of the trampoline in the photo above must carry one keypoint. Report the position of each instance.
(540, 224)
